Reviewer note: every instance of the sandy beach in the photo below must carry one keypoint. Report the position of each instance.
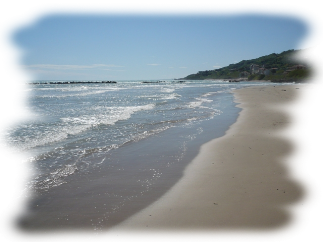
(238, 181)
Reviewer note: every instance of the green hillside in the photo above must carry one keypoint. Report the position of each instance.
(279, 67)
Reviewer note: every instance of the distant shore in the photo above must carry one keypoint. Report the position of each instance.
(236, 181)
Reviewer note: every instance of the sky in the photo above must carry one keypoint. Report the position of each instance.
(143, 47)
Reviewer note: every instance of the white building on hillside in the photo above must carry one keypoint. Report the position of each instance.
(254, 69)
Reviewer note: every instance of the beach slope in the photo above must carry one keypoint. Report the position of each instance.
(238, 181)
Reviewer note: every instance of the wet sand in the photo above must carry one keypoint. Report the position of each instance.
(238, 181)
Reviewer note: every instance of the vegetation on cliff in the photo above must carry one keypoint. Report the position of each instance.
(274, 67)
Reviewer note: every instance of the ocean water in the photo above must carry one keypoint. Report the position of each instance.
(102, 151)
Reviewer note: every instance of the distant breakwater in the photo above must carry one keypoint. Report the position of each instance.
(75, 82)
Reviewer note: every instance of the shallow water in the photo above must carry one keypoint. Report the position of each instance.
(103, 151)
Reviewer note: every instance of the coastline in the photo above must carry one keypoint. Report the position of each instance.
(237, 181)
(135, 174)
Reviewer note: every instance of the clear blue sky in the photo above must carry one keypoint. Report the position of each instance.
(125, 47)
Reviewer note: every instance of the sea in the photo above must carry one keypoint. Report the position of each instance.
(102, 151)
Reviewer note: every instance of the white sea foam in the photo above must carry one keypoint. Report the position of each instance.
(212, 93)
(171, 96)
(55, 178)
(77, 125)
(109, 117)
(78, 94)
(198, 102)
(168, 90)
(49, 136)
(162, 96)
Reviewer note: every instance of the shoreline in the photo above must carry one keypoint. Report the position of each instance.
(133, 176)
(237, 181)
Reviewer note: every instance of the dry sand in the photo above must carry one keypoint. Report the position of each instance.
(238, 181)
